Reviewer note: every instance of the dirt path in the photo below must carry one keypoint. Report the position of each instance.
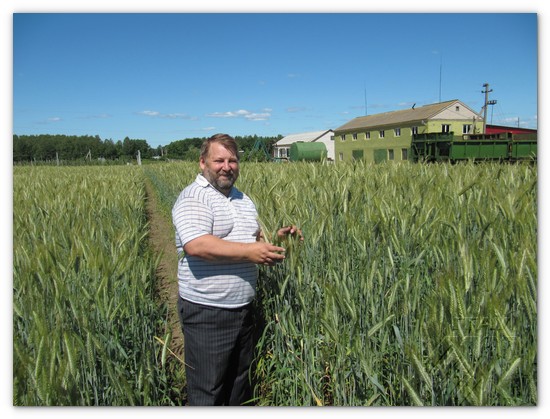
(161, 237)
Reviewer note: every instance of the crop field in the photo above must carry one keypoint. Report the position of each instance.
(84, 309)
(415, 285)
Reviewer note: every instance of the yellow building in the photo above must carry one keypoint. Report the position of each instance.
(388, 135)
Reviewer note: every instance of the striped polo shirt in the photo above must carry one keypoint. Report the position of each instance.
(199, 210)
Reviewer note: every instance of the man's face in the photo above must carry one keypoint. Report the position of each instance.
(220, 168)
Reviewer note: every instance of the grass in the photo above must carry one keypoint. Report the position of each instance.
(415, 285)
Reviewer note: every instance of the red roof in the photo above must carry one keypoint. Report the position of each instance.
(496, 129)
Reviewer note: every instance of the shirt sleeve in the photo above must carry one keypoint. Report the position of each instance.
(192, 219)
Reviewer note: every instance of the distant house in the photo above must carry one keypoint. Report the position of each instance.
(281, 149)
(388, 136)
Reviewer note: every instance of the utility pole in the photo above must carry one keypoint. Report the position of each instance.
(486, 91)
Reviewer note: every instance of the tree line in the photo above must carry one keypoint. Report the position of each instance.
(47, 147)
(251, 148)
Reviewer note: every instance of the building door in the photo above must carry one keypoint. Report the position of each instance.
(380, 155)
(357, 154)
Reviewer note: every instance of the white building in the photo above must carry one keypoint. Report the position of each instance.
(281, 149)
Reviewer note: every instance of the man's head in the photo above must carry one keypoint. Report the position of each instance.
(219, 162)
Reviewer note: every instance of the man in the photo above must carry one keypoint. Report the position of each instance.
(220, 245)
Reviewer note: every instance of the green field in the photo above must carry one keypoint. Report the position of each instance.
(415, 285)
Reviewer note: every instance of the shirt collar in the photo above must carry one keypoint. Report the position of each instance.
(203, 182)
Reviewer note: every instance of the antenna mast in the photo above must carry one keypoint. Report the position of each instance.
(486, 91)
(366, 112)
(440, 69)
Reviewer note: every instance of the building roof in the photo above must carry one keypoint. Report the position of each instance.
(396, 117)
(501, 128)
(307, 137)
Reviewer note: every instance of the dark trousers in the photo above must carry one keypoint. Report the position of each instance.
(218, 349)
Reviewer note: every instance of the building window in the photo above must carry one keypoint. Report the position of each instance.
(282, 152)
(445, 128)
(367, 135)
(354, 136)
(404, 154)
(414, 130)
(457, 108)
(466, 128)
(381, 134)
(341, 156)
(343, 137)
(390, 154)
(397, 132)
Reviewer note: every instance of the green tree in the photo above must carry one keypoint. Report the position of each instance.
(22, 148)
(128, 147)
(192, 154)
(110, 150)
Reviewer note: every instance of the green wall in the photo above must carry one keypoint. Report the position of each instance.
(391, 147)
(373, 148)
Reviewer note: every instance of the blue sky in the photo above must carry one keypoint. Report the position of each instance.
(165, 77)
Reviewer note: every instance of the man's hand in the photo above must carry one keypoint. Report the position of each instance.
(263, 253)
(292, 230)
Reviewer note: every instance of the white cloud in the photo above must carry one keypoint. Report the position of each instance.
(258, 116)
(222, 115)
(242, 113)
(293, 109)
(49, 120)
(149, 113)
(179, 116)
(156, 114)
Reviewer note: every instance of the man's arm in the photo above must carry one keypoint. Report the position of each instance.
(213, 248)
